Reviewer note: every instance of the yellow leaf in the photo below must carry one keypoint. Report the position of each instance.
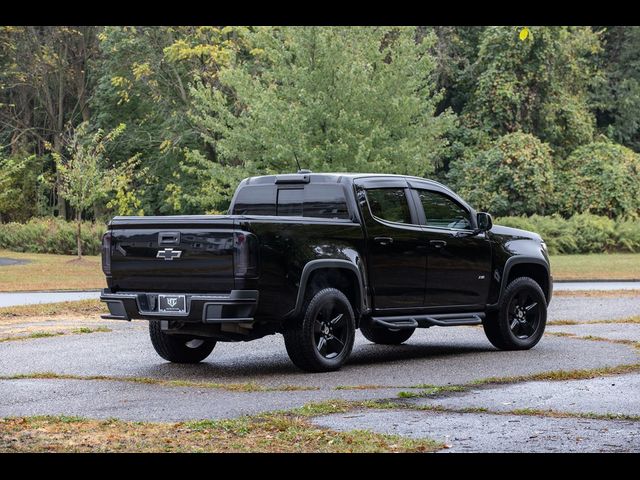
(524, 34)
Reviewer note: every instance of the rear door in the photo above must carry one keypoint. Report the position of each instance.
(396, 256)
(458, 264)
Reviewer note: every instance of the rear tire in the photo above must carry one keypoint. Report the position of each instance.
(520, 320)
(322, 340)
(179, 348)
(386, 336)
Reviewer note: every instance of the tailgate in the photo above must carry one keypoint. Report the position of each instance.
(172, 254)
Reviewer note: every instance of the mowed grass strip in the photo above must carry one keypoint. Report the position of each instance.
(552, 376)
(232, 387)
(79, 308)
(595, 338)
(74, 331)
(597, 293)
(596, 266)
(524, 412)
(273, 433)
(634, 319)
(50, 272)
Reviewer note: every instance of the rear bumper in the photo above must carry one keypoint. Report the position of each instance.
(237, 306)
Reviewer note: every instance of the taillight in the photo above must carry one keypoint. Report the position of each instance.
(245, 254)
(106, 253)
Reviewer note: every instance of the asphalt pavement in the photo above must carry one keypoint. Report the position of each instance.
(31, 298)
(491, 433)
(434, 356)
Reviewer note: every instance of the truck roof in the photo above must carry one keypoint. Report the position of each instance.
(328, 177)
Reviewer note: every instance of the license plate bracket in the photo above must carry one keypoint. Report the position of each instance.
(175, 304)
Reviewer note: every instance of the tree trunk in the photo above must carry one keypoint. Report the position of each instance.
(78, 236)
(61, 204)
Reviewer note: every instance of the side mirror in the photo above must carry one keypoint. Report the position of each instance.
(484, 221)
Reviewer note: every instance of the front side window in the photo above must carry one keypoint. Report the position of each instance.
(389, 204)
(443, 212)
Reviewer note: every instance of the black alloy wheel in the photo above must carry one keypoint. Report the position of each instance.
(321, 338)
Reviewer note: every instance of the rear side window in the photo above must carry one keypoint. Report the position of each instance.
(325, 201)
(389, 204)
(255, 200)
(443, 212)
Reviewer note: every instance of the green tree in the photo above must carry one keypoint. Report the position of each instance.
(23, 186)
(539, 85)
(329, 98)
(143, 80)
(512, 177)
(602, 178)
(44, 86)
(84, 178)
(618, 97)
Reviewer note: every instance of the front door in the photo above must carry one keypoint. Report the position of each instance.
(396, 256)
(458, 263)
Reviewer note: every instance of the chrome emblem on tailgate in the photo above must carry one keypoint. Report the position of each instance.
(169, 253)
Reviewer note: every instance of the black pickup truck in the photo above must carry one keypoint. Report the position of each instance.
(317, 256)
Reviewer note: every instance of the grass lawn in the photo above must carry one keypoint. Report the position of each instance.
(601, 266)
(278, 432)
(50, 272)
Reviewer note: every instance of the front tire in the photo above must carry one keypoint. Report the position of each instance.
(520, 320)
(386, 336)
(322, 340)
(179, 348)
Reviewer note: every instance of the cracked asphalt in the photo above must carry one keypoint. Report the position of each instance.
(435, 356)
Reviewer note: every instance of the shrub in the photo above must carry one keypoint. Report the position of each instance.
(512, 177)
(593, 233)
(602, 178)
(582, 233)
(627, 235)
(50, 235)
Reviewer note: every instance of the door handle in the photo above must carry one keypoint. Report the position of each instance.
(437, 243)
(383, 240)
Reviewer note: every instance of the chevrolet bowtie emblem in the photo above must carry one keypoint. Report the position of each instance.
(169, 254)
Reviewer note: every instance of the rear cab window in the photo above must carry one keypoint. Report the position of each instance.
(320, 200)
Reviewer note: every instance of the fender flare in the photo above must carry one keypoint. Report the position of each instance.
(313, 265)
(517, 260)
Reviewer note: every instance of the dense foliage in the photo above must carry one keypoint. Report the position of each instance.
(51, 235)
(538, 121)
(581, 233)
(513, 176)
(601, 178)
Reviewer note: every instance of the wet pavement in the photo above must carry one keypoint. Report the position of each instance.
(435, 356)
(616, 395)
(31, 298)
(11, 261)
(486, 432)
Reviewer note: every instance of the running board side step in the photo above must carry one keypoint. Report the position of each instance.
(423, 321)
